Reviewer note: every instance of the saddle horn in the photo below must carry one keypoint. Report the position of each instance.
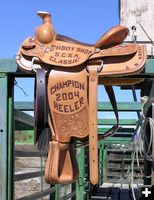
(45, 33)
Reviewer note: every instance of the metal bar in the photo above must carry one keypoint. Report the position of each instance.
(28, 154)
(117, 134)
(24, 106)
(38, 194)
(24, 117)
(109, 140)
(131, 122)
(28, 151)
(10, 139)
(80, 182)
(21, 126)
(24, 176)
(147, 163)
(101, 197)
(9, 65)
(120, 129)
(102, 106)
(121, 106)
(135, 100)
(149, 67)
(100, 158)
(105, 159)
(152, 178)
(68, 196)
(3, 136)
(73, 190)
(57, 192)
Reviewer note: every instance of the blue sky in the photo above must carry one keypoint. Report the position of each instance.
(82, 20)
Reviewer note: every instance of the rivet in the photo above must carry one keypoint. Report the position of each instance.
(127, 68)
(18, 56)
(93, 79)
(32, 39)
(97, 50)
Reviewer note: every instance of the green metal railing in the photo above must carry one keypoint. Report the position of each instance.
(12, 117)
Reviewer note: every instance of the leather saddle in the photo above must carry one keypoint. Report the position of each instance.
(67, 73)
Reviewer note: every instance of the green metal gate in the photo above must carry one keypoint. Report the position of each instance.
(12, 117)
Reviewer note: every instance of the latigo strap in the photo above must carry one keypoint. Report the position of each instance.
(40, 103)
(93, 149)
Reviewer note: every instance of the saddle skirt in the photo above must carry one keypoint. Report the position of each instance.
(122, 59)
(67, 76)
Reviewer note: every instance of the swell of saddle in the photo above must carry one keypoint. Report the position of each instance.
(45, 33)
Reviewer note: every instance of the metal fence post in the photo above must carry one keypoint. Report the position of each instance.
(3, 136)
(10, 139)
(80, 181)
(105, 159)
(100, 147)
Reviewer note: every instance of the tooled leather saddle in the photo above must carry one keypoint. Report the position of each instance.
(67, 73)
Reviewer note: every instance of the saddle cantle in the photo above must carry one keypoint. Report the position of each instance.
(67, 73)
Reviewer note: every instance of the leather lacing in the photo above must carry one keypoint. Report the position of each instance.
(50, 171)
